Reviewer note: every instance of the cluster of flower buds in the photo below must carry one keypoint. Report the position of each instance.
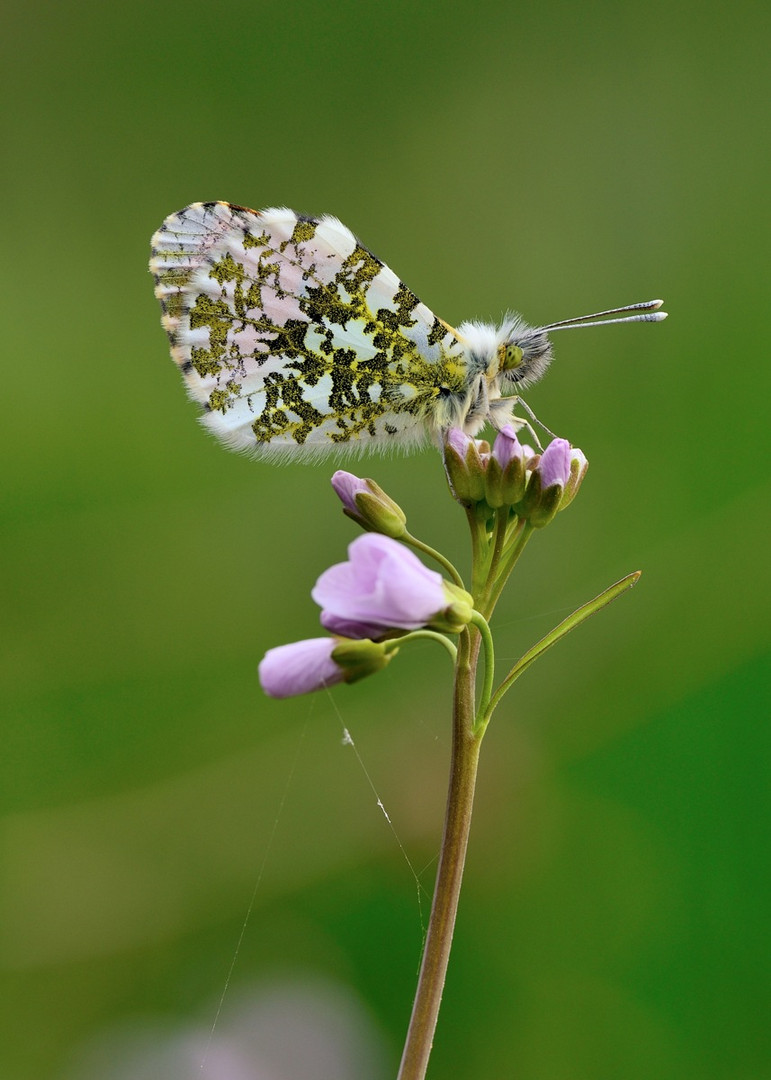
(382, 591)
(535, 486)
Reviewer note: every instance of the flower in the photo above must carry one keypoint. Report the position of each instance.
(385, 586)
(505, 477)
(512, 475)
(507, 446)
(366, 503)
(554, 466)
(578, 467)
(350, 628)
(299, 668)
(464, 464)
(546, 484)
(313, 664)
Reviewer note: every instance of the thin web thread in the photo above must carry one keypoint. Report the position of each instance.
(420, 888)
(258, 882)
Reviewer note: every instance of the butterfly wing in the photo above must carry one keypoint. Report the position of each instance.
(293, 336)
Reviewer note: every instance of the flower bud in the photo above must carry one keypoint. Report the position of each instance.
(505, 477)
(578, 467)
(532, 457)
(366, 503)
(453, 618)
(304, 666)
(465, 467)
(299, 668)
(546, 484)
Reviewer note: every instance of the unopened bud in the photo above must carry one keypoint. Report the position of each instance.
(465, 467)
(546, 485)
(365, 502)
(505, 477)
(578, 467)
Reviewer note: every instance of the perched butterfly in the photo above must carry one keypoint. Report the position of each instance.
(294, 337)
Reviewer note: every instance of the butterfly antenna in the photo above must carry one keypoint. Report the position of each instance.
(646, 313)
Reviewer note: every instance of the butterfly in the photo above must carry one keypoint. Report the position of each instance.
(295, 339)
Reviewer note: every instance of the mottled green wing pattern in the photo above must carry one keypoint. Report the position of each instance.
(293, 336)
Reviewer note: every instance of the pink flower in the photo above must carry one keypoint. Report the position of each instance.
(459, 441)
(554, 466)
(507, 447)
(300, 667)
(382, 586)
(465, 461)
(350, 628)
(578, 467)
(548, 482)
(316, 663)
(505, 476)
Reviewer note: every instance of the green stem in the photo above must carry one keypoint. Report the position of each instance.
(568, 624)
(480, 622)
(460, 799)
(419, 545)
(501, 528)
(430, 634)
(479, 551)
(524, 530)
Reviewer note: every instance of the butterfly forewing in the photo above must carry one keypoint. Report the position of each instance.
(293, 336)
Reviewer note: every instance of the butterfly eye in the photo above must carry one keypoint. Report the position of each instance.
(510, 357)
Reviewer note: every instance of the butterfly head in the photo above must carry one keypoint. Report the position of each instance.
(525, 351)
(524, 355)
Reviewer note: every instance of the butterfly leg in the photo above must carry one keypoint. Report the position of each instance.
(501, 411)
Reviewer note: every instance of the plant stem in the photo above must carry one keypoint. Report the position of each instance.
(479, 549)
(457, 824)
(430, 635)
(432, 553)
(480, 622)
(522, 533)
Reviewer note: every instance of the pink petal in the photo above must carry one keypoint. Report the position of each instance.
(299, 668)
(506, 446)
(382, 585)
(554, 466)
(347, 487)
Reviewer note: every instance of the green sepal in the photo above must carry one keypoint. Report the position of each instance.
(466, 474)
(377, 512)
(505, 487)
(457, 614)
(359, 657)
(547, 506)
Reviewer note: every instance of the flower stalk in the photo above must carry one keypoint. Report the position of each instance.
(384, 597)
(449, 877)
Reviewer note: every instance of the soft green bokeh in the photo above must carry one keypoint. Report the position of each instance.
(556, 158)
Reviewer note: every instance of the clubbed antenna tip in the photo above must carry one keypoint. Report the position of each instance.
(646, 312)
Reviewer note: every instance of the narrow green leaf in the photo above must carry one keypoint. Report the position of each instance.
(568, 624)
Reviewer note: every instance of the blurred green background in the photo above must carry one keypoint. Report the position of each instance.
(555, 158)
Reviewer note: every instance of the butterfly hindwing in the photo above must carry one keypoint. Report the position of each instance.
(293, 336)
